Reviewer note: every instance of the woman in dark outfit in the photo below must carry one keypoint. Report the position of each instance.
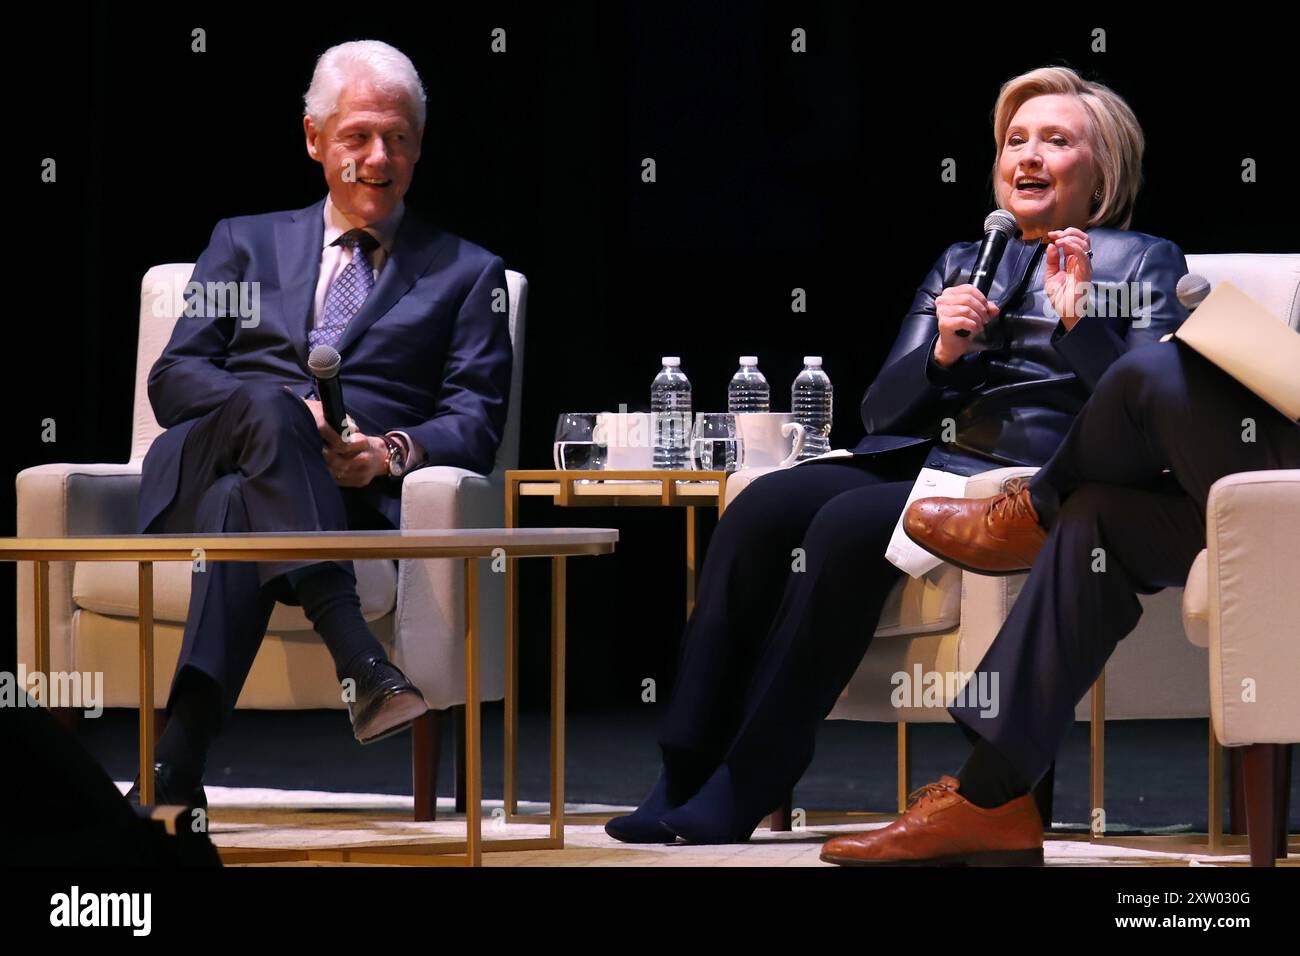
(768, 651)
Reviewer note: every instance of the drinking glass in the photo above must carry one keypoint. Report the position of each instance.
(575, 448)
(715, 442)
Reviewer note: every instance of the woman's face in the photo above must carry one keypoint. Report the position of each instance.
(1047, 143)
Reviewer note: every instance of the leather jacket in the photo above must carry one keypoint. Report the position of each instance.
(1013, 397)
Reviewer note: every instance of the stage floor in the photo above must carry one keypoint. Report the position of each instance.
(263, 818)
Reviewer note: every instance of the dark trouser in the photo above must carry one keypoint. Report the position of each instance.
(253, 464)
(1160, 406)
(777, 633)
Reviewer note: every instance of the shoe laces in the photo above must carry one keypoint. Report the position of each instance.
(929, 790)
(1012, 503)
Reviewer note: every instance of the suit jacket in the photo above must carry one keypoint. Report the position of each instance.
(428, 353)
(1012, 400)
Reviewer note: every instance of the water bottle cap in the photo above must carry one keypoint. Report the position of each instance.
(672, 361)
(746, 360)
(812, 360)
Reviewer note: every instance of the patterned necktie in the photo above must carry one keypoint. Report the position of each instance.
(348, 290)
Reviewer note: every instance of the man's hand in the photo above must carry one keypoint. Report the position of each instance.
(354, 463)
(318, 413)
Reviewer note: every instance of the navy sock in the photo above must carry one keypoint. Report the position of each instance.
(192, 722)
(1046, 503)
(328, 595)
(988, 779)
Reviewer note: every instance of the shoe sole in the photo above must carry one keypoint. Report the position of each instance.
(965, 567)
(659, 839)
(985, 858)
(411, 708)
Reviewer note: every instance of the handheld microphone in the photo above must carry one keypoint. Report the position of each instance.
(1191, 291)
(324, 364)
(998, 228)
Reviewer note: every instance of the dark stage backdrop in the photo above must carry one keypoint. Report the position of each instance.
(775, 170)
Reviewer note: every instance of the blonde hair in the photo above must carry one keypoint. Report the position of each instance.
(1113, 132)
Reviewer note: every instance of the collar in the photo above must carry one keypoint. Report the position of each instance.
(385, 230)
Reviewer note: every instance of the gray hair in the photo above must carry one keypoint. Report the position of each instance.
(385, 67)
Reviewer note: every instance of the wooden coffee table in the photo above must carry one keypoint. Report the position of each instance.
(467, 545)
(655, 488)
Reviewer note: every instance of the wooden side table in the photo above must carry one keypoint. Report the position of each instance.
(653, 488)
(467, 545)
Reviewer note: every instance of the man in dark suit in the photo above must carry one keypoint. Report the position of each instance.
(1117, 511)
(420, 320)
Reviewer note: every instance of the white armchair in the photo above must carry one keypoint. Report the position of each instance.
(946, 620)
(1242, 604)
(414, 607)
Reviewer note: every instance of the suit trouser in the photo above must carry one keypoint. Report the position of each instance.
(788, 601)
(252, 464)
(1122, 528)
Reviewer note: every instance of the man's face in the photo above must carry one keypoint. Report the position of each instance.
(369, 149)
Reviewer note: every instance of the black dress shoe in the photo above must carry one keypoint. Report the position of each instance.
(171, 787)
(386, 702)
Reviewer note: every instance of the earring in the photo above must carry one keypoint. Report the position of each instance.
(1097, 194)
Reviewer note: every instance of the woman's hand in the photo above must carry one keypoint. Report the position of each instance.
(1063, 283)
(961, 309)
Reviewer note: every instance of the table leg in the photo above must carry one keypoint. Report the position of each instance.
(473, 715)
(904, 781)
(1097, 777)
(558, 590)
(1215, 819)
(146, 683)
(511, 715)
(41, 611)
(692, 553)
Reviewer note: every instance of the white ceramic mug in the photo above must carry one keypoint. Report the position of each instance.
(766, 437)
(628, 440)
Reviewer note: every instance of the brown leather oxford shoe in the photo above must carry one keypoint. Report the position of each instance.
(943, 828)
(999, 535)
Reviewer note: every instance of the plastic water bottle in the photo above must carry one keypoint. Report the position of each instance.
(811, 403)
(670, 415)
(748, 391)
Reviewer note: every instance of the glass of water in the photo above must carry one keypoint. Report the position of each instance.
(575, 447)
(715, 442)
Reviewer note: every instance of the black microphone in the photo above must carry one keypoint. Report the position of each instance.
(324, 363)
(998, 228)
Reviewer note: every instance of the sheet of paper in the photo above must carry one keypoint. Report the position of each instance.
(902, 551)
(833, 453)
(1248, 342)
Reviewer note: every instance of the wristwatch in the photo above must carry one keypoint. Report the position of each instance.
(396, 457)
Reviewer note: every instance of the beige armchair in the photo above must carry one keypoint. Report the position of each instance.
(1242, 604)
(946, 620)
(414, 607)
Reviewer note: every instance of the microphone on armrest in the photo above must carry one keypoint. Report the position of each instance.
(1191, 292)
